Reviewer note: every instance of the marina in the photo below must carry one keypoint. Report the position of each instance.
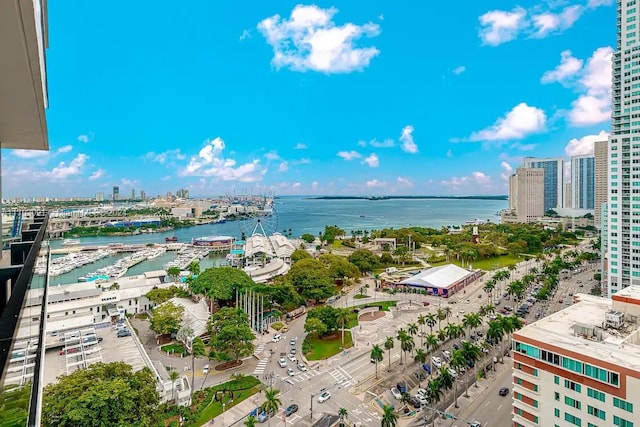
(69, 262)
(121, 266)
(186, 256)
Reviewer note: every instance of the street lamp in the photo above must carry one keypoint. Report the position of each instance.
(223, 407)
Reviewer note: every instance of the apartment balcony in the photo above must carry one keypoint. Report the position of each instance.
(21, 355)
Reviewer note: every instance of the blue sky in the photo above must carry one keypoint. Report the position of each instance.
(343, 97)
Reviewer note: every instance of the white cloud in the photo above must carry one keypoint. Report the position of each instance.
(349, 155)
(209, 162)
(315, 185)
(387, 143)
(405, 182)
(521, 121)
(64, 170)
(272, 155)
(481, 178)
(165, 156)
(131, 183)
(597, 3)
(302, 161)
(283, 167)
(459, 70)
(96, 175)
(569, 66)
(594, 105)
(372, 160)
(84, 138)
(584, 145)
(548, 23)
(362, 143)
(406, 137)
(246, 34)
(64, 149)
(507, 170)
(499, 26)
(310, 40)
(166, 178)
(29, 154)
(374, 183)
(300, 146)
(296, 185)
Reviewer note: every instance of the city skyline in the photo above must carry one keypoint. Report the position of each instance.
(358, 102)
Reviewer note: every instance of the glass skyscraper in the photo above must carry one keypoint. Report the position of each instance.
(623, 216)
(582, 182)
(553, 179)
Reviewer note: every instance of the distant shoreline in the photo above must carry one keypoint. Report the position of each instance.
(408, 197)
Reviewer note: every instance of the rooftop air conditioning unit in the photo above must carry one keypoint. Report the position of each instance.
(614, 319)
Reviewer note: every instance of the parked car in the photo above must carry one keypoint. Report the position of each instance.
(293, 350)
(416, 403)
(282, 362)
(205, 369)
(276, 338)
(426, 367)
(292, 358)
(422, 399)
(503, 391)
(396, 393)
(291, 372)
(124, 333)
(436, 361)
(302, 367)
(285, 328)
(402, 387)
(324, 396)
(291, 409)
(264, 416)
(446, 354)
(453, 372)
(292, 342)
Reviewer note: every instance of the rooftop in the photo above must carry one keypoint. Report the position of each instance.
(581, 328)
(439, 277)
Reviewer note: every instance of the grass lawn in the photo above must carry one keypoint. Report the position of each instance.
(322, 349)
(360, 296)
(243, 389)
(174, 348)
(384, 305)
(277, 325)
(337, 244)
(353, 321)
(490, 264)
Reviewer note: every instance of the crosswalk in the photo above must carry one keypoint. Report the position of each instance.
(260, 368)
(341, 376)
(303, 376)
(258, 350)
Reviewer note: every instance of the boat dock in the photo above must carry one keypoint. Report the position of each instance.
(117, 248)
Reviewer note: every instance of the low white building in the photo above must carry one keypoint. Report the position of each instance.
(443, 281)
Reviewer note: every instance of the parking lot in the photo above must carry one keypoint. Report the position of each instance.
(109, 348)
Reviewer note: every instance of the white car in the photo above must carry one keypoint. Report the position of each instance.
(461, 311)
(453, 372)
(446, 354)
(436, 361)
(290, 372)
(302, 367)
(422, 399)
(324, 396)
(396, 393)
(205, 369)
(422, 392)
(276, 338)
(282, 362)
(292, 358)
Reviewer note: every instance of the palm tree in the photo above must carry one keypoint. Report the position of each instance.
(495, 333)
(342, 317)
(376, 355)
(442, 335)
(472, 353)
(434, 394)
(445, 377)
(272, 402)
(412, 329)
(457, 361)
(422, 320)
(447, 313)
(471, 321)
(407, 345)
(432, 344)
(420, 356)
(251, 421)
(197, 349)
(389, 417)
(431, 320)
(388, 345)
(342, 413)
(173, 376)
(440, 315)
(401, 336)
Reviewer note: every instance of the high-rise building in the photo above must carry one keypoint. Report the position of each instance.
(530, 198)
(143, 195)
(116, 193)
(601, 180)
(567, 194)
(183, 193)
(133, 194)
(582, 182)
(604, 250)
(99, 196)
(513, 191)
(553, 179)
(579, 366)
(624, 145)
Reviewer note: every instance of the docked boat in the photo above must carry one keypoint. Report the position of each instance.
(71, 242)
(171, 239)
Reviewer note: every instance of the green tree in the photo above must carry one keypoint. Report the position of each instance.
(194, 268)
(388, 345)
(457, 361)
(376, 356)
(402, 253)
(103, 394)
(311, 279)
(338, 266)
(251, 421)
(389, 417)
(14, 404)
(327, 314)
(221, 283)
(173, 272)
(299, 254)
(342, 317)
(420, 356)
(364, 259)
(166, 318)
(272, 402)
(231, 336)
(309, 238)
(315, 326)
(342, 413)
